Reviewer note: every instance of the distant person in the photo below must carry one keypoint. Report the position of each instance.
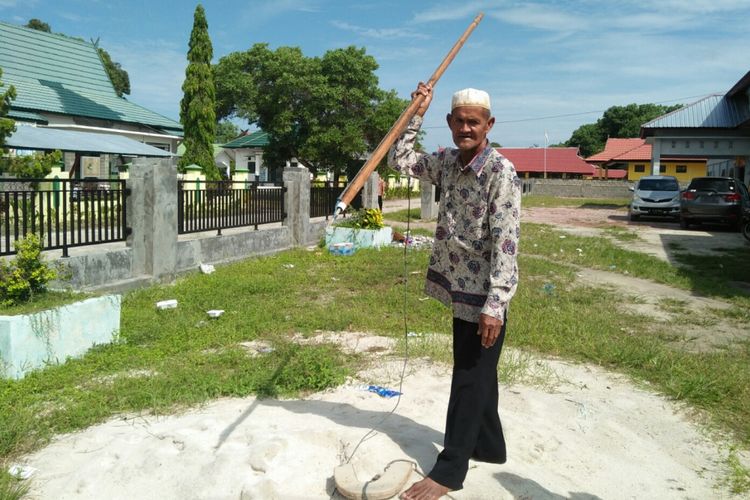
(381, 192)
(472, 269)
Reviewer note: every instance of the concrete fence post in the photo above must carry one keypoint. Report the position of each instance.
(297, 203)
(428, 206)
(370, 191)
(152, 216)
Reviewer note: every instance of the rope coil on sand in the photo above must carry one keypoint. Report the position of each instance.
(383, 486)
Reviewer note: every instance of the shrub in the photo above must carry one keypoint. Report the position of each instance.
(35, 166)
(26, 275)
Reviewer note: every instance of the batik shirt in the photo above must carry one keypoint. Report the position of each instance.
(473, 266)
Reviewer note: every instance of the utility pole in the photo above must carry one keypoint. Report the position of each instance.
(546, 140)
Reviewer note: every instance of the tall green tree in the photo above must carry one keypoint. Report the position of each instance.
(118, 76)
(7, 125)
(588, 138)
(39, 25)
(327, 112)
(226, 131)
(197, 108)
(617, 121)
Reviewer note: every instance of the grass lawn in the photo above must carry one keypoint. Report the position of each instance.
(171, 359)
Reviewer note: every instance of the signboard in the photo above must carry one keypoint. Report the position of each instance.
(90, 166)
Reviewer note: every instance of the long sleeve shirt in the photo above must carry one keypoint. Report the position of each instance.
(473, 266)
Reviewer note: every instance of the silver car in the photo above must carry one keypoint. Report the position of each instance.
(655, 196)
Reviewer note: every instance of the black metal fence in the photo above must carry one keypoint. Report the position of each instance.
(64, 213)
(323, 196)
(217, 205)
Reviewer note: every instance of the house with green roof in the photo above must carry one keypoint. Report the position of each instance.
(61, 83)
(247, 153)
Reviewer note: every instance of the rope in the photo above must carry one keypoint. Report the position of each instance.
(370, 433)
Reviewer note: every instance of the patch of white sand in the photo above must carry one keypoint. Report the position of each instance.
(595, 436)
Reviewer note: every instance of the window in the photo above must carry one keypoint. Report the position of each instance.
(662, 169)
(640, 168)
(663, 184)
(681, 169)
(160, 145)
(251, 166)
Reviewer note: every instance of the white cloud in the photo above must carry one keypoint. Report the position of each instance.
(76, 18)
(452, 11)
(691, 6)
(542, 17)
(383, 33)
(261, 12)
(156, 69)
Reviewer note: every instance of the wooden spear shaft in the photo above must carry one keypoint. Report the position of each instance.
(398, 127)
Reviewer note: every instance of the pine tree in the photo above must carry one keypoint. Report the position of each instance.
(199, 100)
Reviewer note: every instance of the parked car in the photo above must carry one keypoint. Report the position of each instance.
(655, 195)
(87, 188)
(713, 199)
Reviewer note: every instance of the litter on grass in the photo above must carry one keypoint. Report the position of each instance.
(207, 268)
(344, 248)
(167, 304)
(21, 471)
(215, 313)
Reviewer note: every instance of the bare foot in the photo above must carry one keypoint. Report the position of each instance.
(426, 489)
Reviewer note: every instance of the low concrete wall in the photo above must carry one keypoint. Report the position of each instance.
(316, 232)
(231, 247)
(113, 268)
(96, 268)
(31, 341)
(575, 188)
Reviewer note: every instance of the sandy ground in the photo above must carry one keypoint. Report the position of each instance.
(591, 435)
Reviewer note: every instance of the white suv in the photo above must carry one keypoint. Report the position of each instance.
(656, 196)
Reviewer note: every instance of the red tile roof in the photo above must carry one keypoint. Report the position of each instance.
(639, 153)
(617, 147)
(629, 150)
(559, 160)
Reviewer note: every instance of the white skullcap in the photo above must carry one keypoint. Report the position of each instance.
(471, 97)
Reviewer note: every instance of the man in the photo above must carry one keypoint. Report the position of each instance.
(473, 270)
(381, 192)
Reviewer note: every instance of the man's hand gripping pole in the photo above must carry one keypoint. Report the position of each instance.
(398, 127)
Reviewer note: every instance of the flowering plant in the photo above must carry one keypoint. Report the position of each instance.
(366, 218)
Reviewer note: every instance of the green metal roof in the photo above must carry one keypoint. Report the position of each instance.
(58, 74)
(181, 149)
(27, 116)
(257, 139)
(49, 139)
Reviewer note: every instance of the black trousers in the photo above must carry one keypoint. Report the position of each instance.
(472, 428)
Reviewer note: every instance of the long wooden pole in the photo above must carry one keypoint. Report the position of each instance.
(398, 127)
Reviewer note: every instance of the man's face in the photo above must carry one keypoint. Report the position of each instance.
(470, 126)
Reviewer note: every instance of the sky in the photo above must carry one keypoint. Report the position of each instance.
(549, 66)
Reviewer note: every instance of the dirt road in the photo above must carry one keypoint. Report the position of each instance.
(658, 237)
